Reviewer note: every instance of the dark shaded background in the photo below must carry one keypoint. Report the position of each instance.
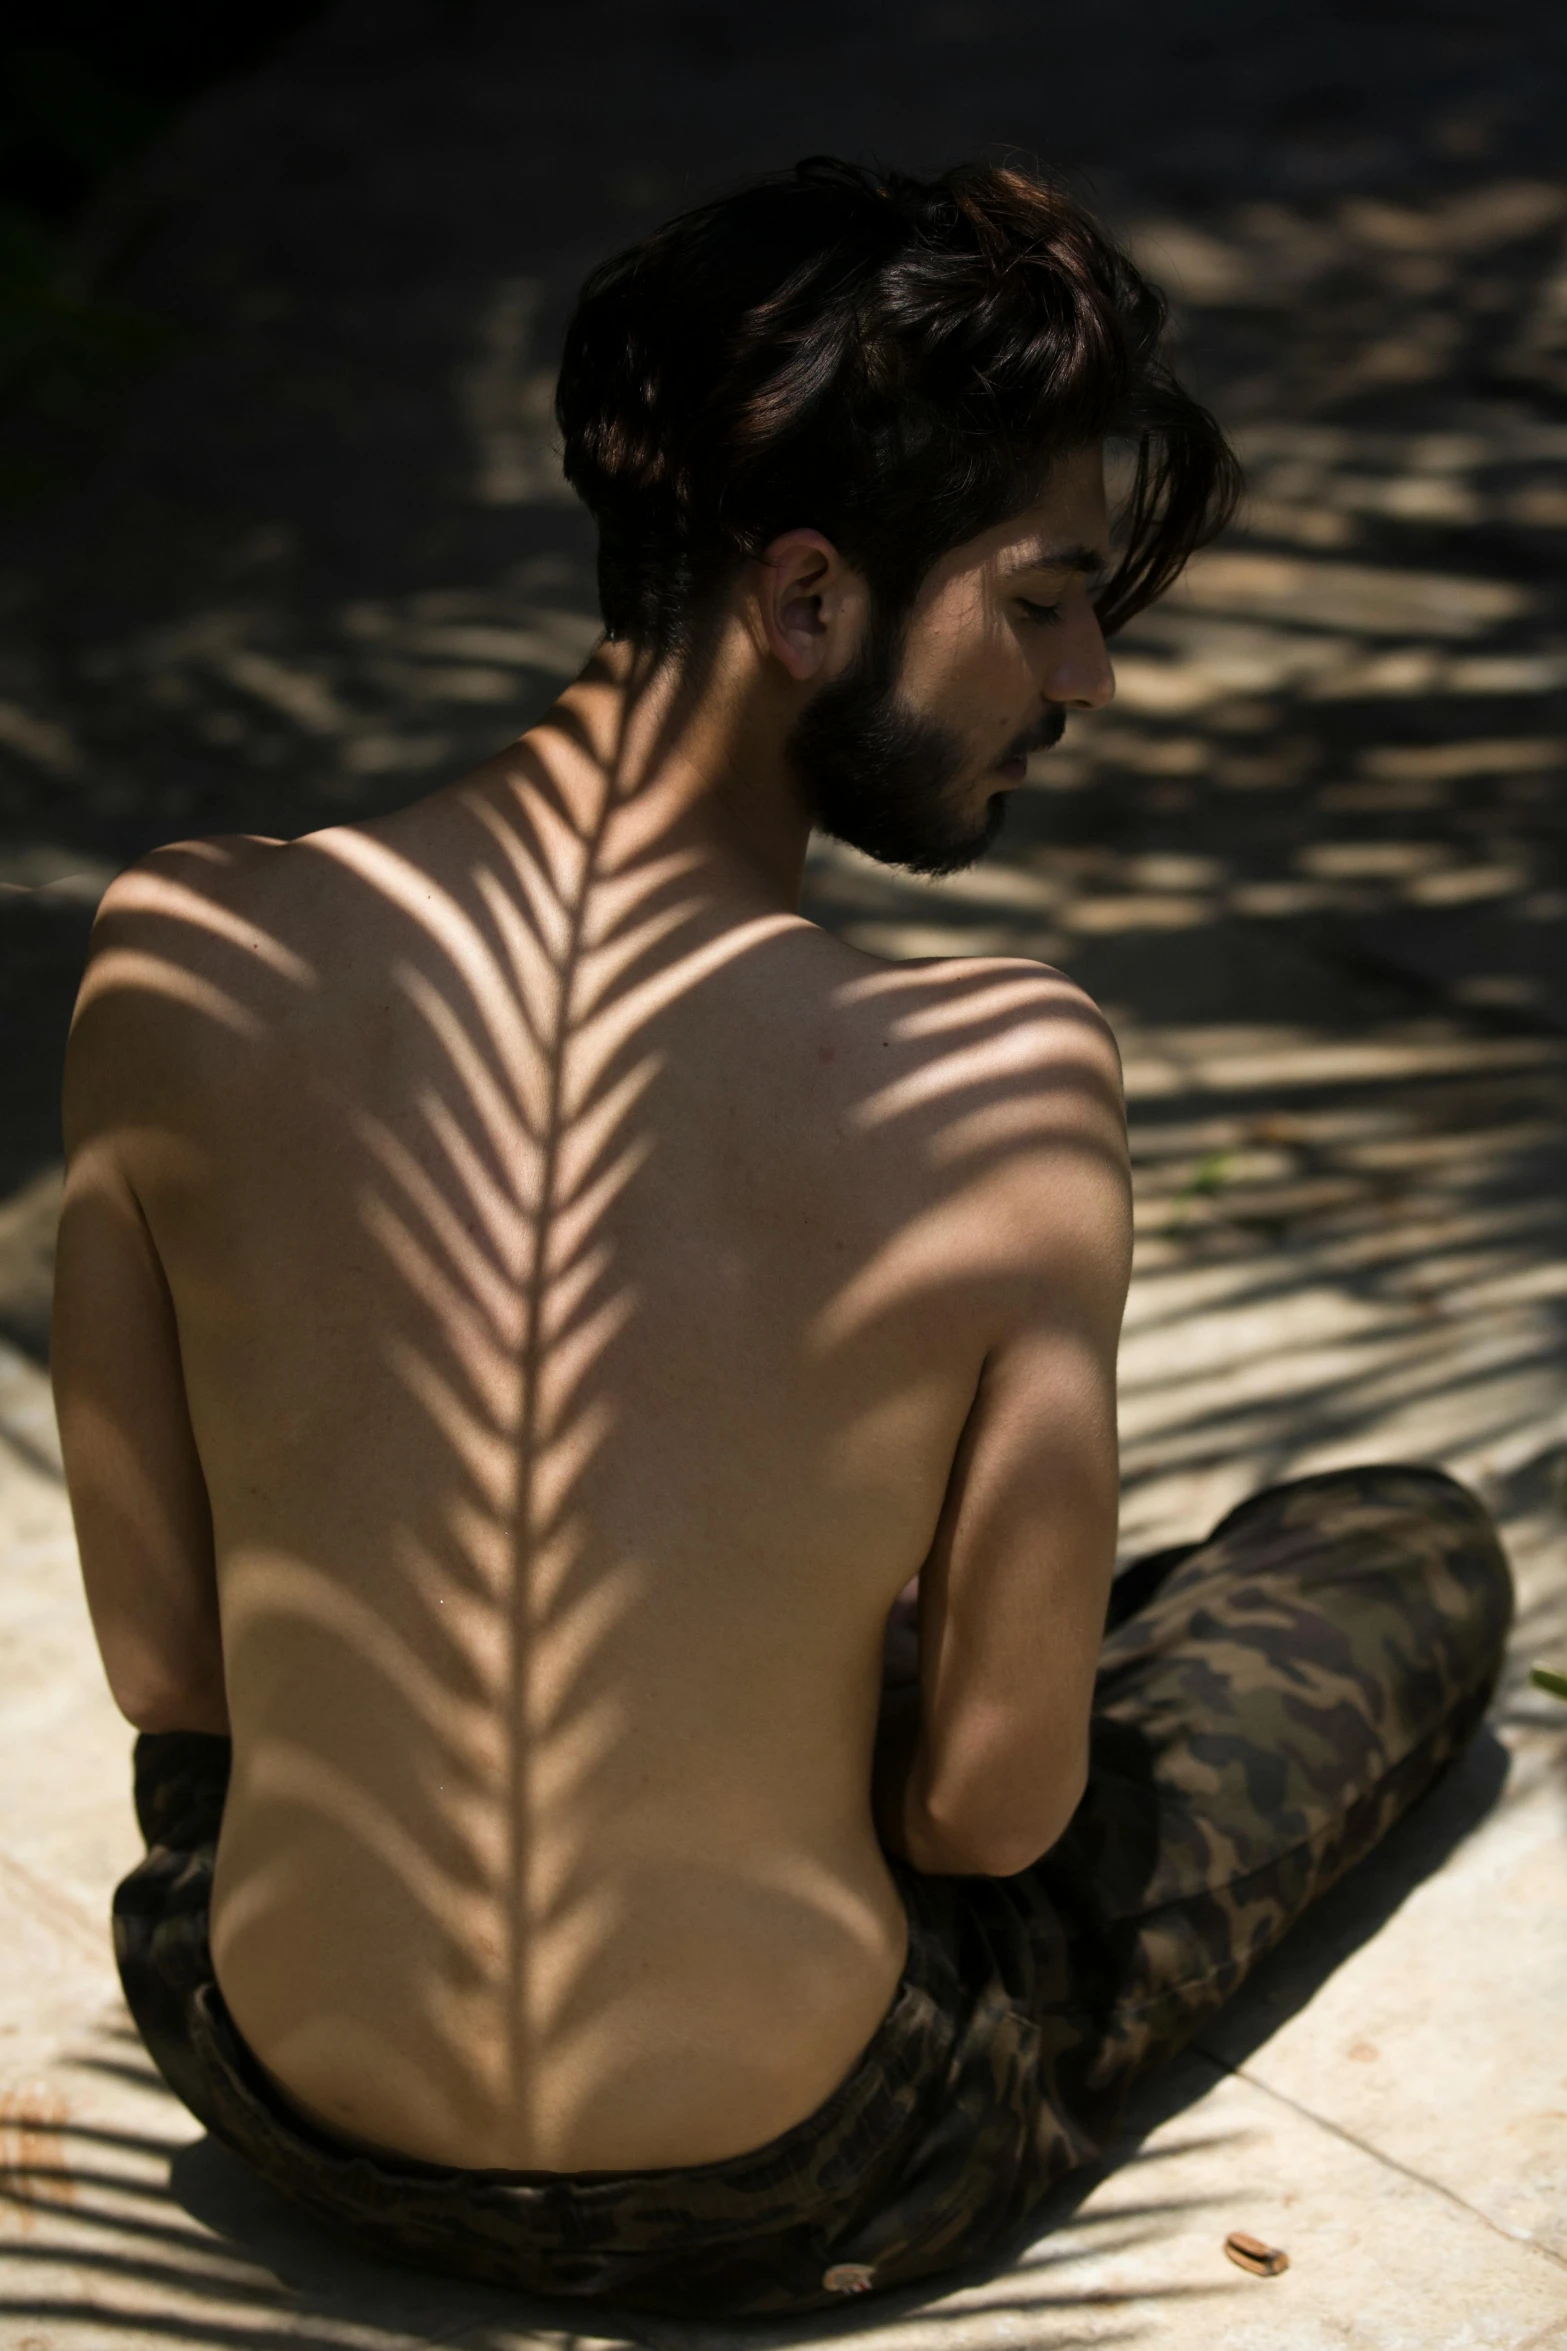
(283, 536)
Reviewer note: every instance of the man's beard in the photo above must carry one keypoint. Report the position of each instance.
(888, 781)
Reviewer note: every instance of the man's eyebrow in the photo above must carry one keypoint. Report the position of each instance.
(1042, 556)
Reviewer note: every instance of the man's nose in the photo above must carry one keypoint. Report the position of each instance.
(1080, 676)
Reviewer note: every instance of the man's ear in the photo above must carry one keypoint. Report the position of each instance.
(810, 605)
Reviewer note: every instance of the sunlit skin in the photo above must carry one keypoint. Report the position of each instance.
(528, 1304)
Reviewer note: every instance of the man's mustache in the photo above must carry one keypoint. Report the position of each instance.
(1049, 730)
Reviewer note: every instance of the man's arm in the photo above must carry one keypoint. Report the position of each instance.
(981, 1770)
(139, 1499)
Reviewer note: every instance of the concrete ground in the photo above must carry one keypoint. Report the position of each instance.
(1312, 862)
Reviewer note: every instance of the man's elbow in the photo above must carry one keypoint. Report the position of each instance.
(152, 1701)
(996, 1835)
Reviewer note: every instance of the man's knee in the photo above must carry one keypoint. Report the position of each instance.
(1472, 1554)
(1439, 1540)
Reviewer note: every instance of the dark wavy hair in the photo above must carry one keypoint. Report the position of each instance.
(891, 361)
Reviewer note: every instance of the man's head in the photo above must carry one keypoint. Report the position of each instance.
(907, 748)
(894, 396)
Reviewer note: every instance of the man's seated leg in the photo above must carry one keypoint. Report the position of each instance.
(1289, 1690)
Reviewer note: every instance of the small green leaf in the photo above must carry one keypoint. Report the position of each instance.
(1545, 1678)
(1209, 1176)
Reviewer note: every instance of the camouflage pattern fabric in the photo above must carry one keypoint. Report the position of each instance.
(1276, 1698)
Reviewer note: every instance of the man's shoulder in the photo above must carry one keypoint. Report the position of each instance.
(215, 866)
(958, 1141)
(175, 943)
(1003, 1088)
(1006, 1015)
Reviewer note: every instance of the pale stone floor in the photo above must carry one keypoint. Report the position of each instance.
(1313, 862)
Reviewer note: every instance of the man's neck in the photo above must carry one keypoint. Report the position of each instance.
(697, 756)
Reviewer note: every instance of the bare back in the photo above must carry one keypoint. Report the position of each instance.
(583, 1280)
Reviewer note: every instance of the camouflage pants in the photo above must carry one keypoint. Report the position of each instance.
(1269, 1703)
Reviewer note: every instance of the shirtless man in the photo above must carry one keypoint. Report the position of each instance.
(529, 1303)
